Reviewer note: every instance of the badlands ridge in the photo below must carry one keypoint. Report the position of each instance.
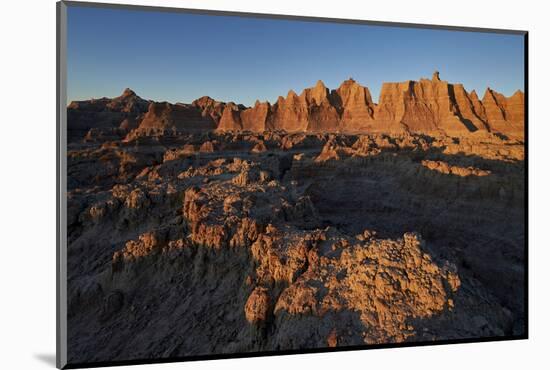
(426, 106)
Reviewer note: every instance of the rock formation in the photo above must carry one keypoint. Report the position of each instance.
(428, 106)
(322, 115)
(178, 117)
(356, 107)
(425, 106)
(230, 119)
(210, 108)
(504, 115)
(255, 118)
(104, 113)
(290, 113)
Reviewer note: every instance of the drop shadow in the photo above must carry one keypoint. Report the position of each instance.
(46, 358)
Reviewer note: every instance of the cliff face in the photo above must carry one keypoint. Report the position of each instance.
(469, 109)
(254, 119)
(322, 114)
(230, 119)
(425, 106)
(290, 114)
(515, 108)
(430, 106)
(504, 115)
(356, 106)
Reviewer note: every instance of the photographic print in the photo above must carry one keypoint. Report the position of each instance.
(239, 184)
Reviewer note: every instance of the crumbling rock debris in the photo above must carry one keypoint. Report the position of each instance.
(257, 306)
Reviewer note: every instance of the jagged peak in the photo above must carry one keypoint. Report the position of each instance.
(291, 94)
(492, 95)
(435, 76)
(128, 92)
(349, 82)
(318, 93)
(205, 98)
(518, 92)
(488, 93)
(204, 101)
(320, 84)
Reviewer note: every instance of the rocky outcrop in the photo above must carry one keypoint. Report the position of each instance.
(322, 115)
(504, 115)
(176, 117)
(429, 106)
(124, 111)
(469, 109)
(356, 107)
(376, 279)
(447, 169)
(515, 108)
(255, 119)
(257, 306)
(425, 106)
(230, 119)
(290, 113)
(436, 106)
(210, 108)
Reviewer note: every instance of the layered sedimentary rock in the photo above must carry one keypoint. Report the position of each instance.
(356, 107)
(179, 117)
(515, 108)
(230, 119)
(430, 106)
(237, 118)
(128, 112)
(105, 113)
(427, 106)
(255, 118)
(290, 113)
(322, 114)
(210, 108)
(469, 108)
(478, 107)
(504, 115)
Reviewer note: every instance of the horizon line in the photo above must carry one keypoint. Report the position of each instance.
(375, 101)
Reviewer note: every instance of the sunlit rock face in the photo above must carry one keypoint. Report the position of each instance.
(504, 115)
(355, 105)
(426, 106)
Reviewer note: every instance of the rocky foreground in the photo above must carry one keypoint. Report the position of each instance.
(188, 239)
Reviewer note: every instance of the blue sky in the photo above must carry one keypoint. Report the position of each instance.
(179, 57)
